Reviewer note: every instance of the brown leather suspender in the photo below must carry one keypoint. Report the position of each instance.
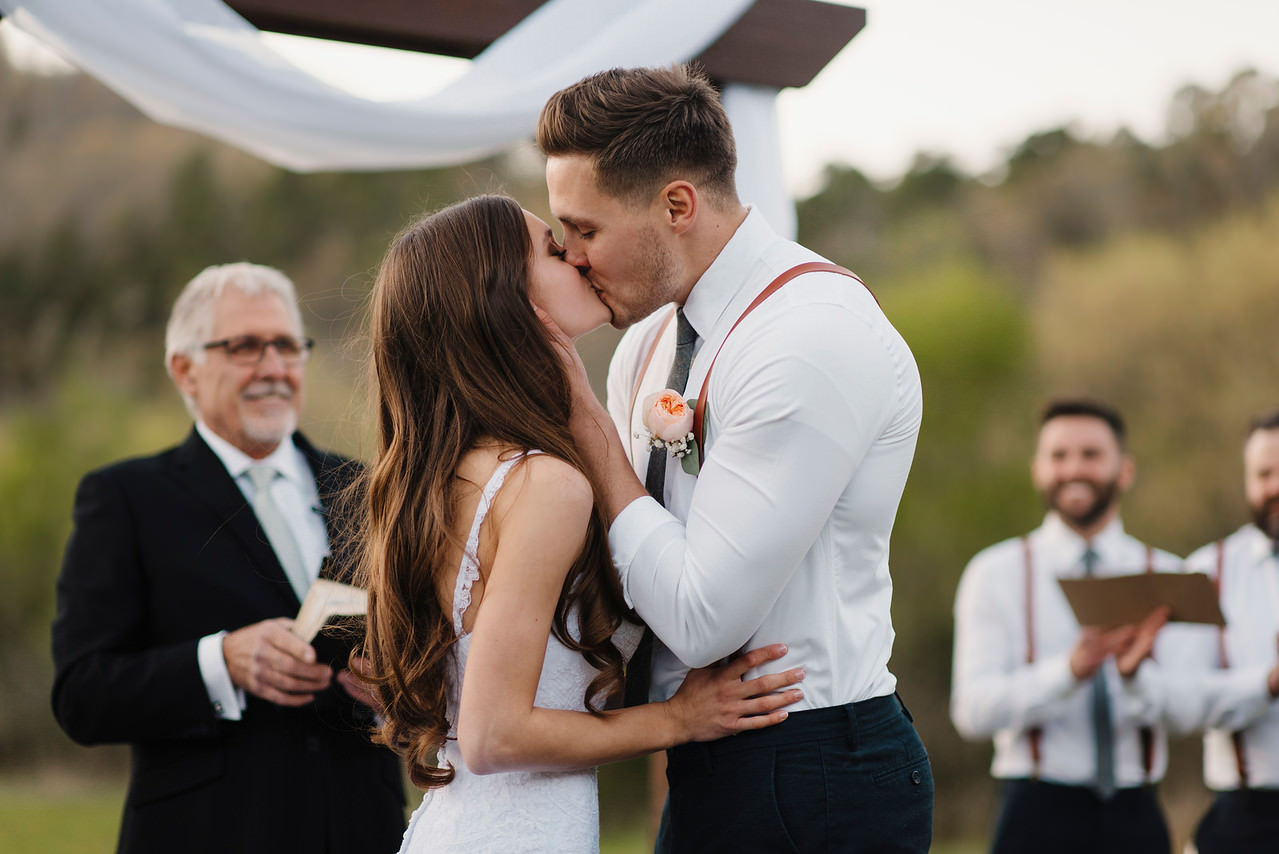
(1034, 734)
(699, 411)
(1147, 734)
(1236, 737)
(648, 360)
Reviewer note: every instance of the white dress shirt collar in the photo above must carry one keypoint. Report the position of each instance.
(1108, 543)
(1257, 548)
(286, 458)
(716, 290)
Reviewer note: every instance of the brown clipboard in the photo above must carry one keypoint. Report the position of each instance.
(1122, 599)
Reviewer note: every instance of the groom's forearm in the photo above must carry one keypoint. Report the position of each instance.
(616, 484)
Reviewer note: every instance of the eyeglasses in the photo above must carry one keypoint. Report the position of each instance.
(249, 349)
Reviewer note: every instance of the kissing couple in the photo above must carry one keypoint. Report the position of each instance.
(555, 584)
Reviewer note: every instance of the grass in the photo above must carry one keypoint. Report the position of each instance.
(58, 813)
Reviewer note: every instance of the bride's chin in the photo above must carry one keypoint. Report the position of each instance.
(585, 328)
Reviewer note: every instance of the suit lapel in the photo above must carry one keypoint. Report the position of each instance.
(334, 476)
(203, 474)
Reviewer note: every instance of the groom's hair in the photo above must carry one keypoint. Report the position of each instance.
(645, 127)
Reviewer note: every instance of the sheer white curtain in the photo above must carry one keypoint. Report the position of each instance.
(196, 64)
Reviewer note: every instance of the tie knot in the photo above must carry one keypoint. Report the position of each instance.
(1090, 560)
(262, 475)
(685, 334)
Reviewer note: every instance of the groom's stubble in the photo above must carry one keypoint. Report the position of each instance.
(652, 285)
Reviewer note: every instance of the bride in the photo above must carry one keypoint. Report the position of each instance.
(497, 636)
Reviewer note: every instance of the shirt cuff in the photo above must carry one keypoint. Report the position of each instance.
(1140, 695)
(1056, 677)
(628, 533)
(227, 700)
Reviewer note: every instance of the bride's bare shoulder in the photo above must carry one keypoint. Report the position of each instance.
(547, 487)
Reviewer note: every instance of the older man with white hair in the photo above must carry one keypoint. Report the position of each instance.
(175, 600)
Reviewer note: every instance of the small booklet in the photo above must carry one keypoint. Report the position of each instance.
(1122, 599)
(327, 599)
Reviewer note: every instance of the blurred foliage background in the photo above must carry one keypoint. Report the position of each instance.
(1144, 275)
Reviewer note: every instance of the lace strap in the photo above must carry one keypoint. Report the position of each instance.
(469, 571)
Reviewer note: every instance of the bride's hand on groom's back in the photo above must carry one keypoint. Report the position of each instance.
(715, 701)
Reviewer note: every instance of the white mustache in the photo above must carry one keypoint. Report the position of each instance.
(268, 388)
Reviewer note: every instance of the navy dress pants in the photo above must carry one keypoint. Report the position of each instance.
(1050, 818)
(1240, 822)
(851, 778)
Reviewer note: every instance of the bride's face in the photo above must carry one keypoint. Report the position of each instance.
(556, 286)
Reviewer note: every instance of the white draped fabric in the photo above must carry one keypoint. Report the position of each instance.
(196, 64)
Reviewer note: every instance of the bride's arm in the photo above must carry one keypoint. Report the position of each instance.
(540, 519)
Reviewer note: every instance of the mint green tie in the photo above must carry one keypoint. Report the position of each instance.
(277, 529)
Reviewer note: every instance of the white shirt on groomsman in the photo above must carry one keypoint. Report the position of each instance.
(997, 693)
(1228, 691)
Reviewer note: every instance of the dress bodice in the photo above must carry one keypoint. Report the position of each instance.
(515, 811)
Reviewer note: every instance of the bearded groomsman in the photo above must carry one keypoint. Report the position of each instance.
(1231, 695)
(1077, 739)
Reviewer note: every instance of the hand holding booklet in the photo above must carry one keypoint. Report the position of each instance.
(1123, 599)
(327, 599)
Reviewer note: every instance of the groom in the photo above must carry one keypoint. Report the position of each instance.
(810, 422)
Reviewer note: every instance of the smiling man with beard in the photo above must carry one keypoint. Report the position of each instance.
(1232, 694)
(178, 584)
(1076, 736)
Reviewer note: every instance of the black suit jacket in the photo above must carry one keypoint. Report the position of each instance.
(164, 551)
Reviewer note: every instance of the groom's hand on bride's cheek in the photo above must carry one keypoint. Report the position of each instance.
(588, 412)
(573, 364)
(549, 322)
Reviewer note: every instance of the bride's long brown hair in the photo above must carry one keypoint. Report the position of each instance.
(459, 356)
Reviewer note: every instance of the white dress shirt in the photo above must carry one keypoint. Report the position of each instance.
(1202, 695)
(995, 692)
(299, 501)
(813, 413)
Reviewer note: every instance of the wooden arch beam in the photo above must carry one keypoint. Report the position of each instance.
(777, 43)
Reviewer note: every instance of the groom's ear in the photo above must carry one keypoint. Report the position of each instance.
(679, 205)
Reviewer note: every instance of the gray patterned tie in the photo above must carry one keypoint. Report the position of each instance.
(685, 338)
(1103, 729)
(639, 672)
(283, 541)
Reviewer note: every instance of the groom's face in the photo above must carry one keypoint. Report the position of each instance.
(617, 244)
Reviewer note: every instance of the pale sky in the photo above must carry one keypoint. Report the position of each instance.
(973, 78)
(967, 78)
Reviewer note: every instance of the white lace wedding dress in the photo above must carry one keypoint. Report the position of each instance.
(516, 811)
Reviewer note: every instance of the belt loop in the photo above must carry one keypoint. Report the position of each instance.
(905, 710)
(851, 715)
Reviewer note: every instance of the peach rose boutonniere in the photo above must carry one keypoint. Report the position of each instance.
(668, 423)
